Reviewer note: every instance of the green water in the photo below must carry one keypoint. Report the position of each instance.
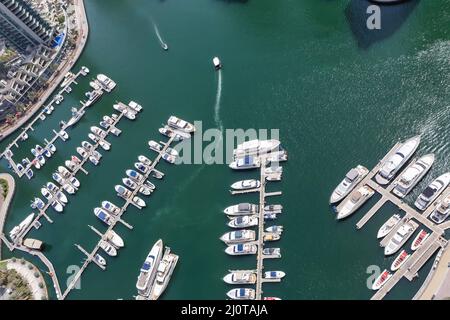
(340, 96)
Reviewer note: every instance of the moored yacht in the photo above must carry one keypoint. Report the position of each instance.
(241, 209)
(92, 96)
(241, 249)
(241, 294)
(388, 226)
(180, 124)
(413, 174)
(148, 269)
(274, 275)
(247, 162)
(112, 237)
(243, 222)
(404, 232)
(239, 236)
(256, 147)
(76, 116)
(108, 248)
(442, 210)
(396, 161)
(246, 184)
(21, 227)
(155, 146)
(240, 277)
(352, 178)
(434, 189)
(110, 207)
(135, 106)
(103, 216)
(355, 201)
(106, 82)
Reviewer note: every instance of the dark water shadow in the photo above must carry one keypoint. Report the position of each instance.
(392, 18)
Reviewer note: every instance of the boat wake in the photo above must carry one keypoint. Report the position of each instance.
(158, 35)
(217, 119)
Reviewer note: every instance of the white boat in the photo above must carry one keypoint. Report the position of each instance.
(57, 206)
(404, 232)
(99, 132)
(21, 227)
(64, 172)
(241, 294)
(82, 152)
(62, 198)
(388, 226)
(58, 99)
(42, 117)
(148, 269)
(413, 174)
(108, 248)
(155, 146)
(94, 160)
(256, 147)
(239, 236)
(86, 145)
(36, 163)
(396, 161)
(273, 208)
(246, 184)
(145, 160)
(247, 162)
(68, 188)
(70, 164)
(274, 275)
(108, 119)
(244, 208)
(41, 160)
(180, 124)
(241, 249)
(145, 190)
(52, 148)
(29, 174)
(217, 64)
(129, 183)
(24, 136)
(76, 116)
(106, 82)
(103, 216)
(139, 202)
(110, 207)
(434, 189)
(177, 134)
(272, 236)
(135, 106)
(136, 176)
(63, 134)
(46, 193)
(352, 178)
(93, 137)
(419, 239)
(105, 145)
(381, 280)
(355, 201)
(100, 259)
(67, 79)
(93, 96)
(442, 210)
(128, 113)
(243, 222)
(168, 158)
(163, 273)
(240, 277)
(122, 191)
(172, 152)
(272, 252)
(112, 237)
(74, 181)
(115, 131)
(141, 167)
(274, 229)
(400, 260)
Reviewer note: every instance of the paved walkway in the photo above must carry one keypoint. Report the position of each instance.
(28, 275)
(440, 281)
(5, 206)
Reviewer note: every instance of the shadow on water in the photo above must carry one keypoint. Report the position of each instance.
(392, 18)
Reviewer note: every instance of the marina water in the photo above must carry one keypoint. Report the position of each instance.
(339, 95)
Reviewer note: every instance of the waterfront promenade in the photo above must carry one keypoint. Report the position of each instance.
(64, 67)
(439, 281)
(5, 206)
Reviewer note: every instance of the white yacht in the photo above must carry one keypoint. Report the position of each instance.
(93, 96)
(246, 184)
(241, 294)
(352, 178)
(99, 132)
(180, 124)
(21, 227)
(100, 259)
(67, 79)
(217, 64)
(396, 161)
(355, 201)
(106, 82)
(148, 269)
(112, 237)
(110, 207)
(108, 248)
(274, 275)
(155, 146)
(244, 208)
(400, 237)
(388, 226)
(135, 106)
(103, 216)
(240, 277)
(239, 236)
(76, 116)
(241, 249)
(256, 147)
(434, 189)
(413, 174)
(243, 222)
(163, 273)
(273, 208)
(95, 85)
(442, 210)
(145, 160)
(247, 162)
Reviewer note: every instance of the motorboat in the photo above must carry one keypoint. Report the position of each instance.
(62, 198)
(57, 206)
(135, 106)
(240, 277)
(36, 163)
(63, 135)
(108, 248)
(134, 175)
(241, 249)
(442, 211)
(273, 208)
(46, 193)
(129, 183)
(413, 174)
(419, 239)
(108, 119)
(42, 117)
(148, 269)
(168, 158)
(106, 82)
(180, 124)
(58, 99)
(93, 96)
(17, 230)
(70, 164)
(239, 236)
(155, 146)
(29, 174)
(355, 201)
(270, 216)
(110, 207)
(82, 152)
(141, 167)
(99, 132)
(105, 145)
(381, 280)
(434, 189)
(275, 229)
(272, 236)
(37, 204)
(128, 113)
(64, 172)
(172, 152)
(93, 137)
(246, 184)
(217, 64)
(67, 79)
(256, 147)
(352, 178)
(400, 260)
(244, 208)
(51, 147)
(145, 160)
(105, 125)
(139, 202)
(395, 162)
(145, 190)
(101, 261)
(241, 294)
(94, 160)
(247, 162)
(163, 273)
(272, 252)
(176, 134)
(122, 191)
(243, 222)
(388, 226)
(404, 232)
(95, 85)
(87, 146)
(103, 216)
(76, 116)
(274, 275)
(74, 181)
(112, 237)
